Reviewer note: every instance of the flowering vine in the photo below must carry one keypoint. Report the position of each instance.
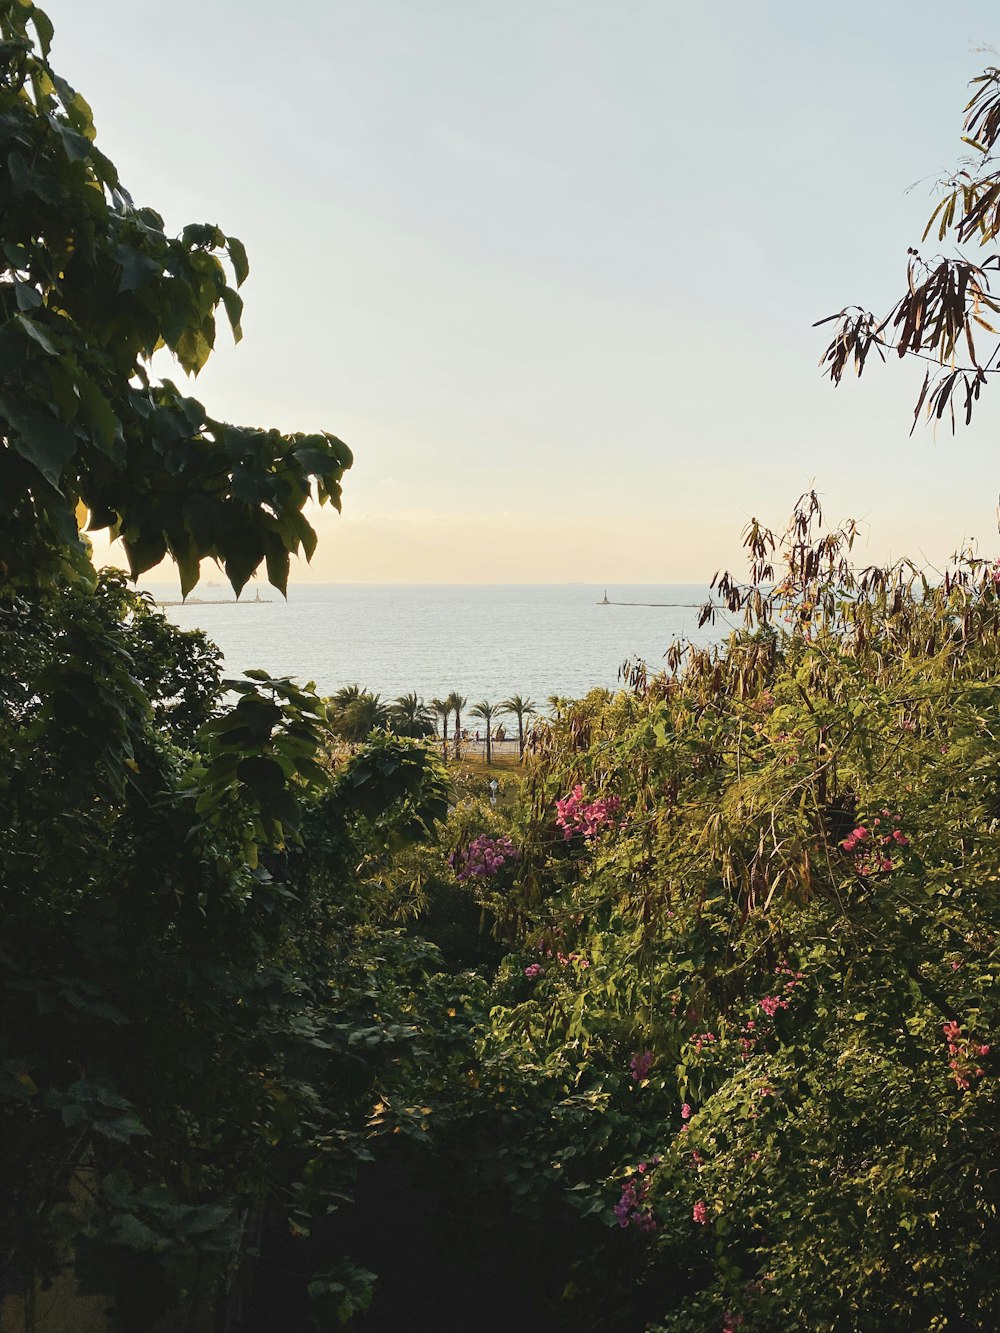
(964, 1053)
(873, 848)
(640, 1065)
(484, 856)
(574, 814)
(633, 1208)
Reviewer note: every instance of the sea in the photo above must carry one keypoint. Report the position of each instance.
(485, 641)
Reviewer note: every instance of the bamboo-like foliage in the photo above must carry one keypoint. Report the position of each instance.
(740, 760)
(946, 317)
(783, 920)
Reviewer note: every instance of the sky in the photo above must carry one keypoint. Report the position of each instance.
(551, 268)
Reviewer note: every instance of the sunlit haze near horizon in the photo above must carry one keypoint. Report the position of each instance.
(550, 269)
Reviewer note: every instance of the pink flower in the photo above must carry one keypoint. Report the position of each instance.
(485, 856)
(640, 1065)
(686, 1111)
(961, 1050)
(853, 839)
(699, 1213)
(575, 815)
(533, 970)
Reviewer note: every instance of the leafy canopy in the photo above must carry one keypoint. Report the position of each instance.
(91, 287)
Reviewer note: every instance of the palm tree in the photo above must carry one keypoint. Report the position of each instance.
(356, 713)
(339, 704)
(521, 708)
(487, 712)
(410, 716)
(442, 708)
(346, 695)
(456, 703)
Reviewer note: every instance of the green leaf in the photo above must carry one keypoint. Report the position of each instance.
(193, 349)
(138, 270)
(37, 334)
(277, 565)
(14, 349)
(234, 309)
(27, 297)
(242, 553)
(238, 258)
(189, 568)
(144, 549)
(99, 414)
(265, 777)
(43, 26)
(44, 442)
(121, 1128)
(129, 1231)
(27, 180)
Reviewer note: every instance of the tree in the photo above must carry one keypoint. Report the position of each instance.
(180, 941)
(456, 703)
(948, 305)
(442, 708)
(487, 712)
(520, 708)
(409, 716)
(344, 697)
(90, 287)
(355, 713)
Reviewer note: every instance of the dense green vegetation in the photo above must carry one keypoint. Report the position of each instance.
(692, 1029)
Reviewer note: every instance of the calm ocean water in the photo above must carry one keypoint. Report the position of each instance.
(486, 641)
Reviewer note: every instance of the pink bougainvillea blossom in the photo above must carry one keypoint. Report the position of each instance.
(484, 856)
(855, 838)
(633, 1208)
(575, 814)
(963, 1053)
(873, 853)
(572, 959)
(699, 1213)
(640, 1065)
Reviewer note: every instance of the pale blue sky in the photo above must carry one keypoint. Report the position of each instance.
(550, 268)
